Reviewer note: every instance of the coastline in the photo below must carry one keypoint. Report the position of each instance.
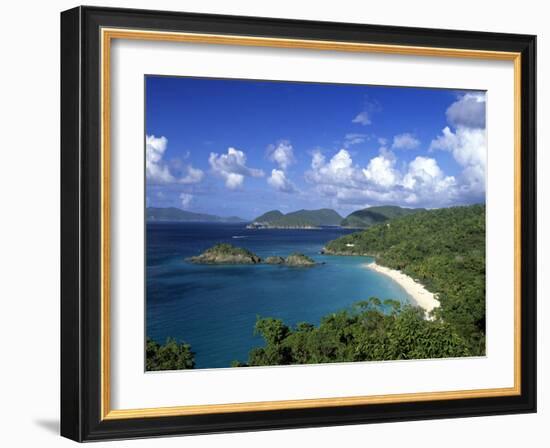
(422, 297)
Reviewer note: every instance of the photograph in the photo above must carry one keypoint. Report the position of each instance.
(291, 223)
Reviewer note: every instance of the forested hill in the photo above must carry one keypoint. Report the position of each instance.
(174, 214)
(445, 250)
(362, 219)
(321, 217)
(298, 219)
(270, 216)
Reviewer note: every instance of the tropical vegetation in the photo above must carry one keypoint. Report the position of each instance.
(444, 249)
(170, 356)
(371, 331)
(298, 219)
(364, 218)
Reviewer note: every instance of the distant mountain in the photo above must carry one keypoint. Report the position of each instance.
(178, 215)
(361, 219)
(321, 217)
(301, 219)
(269, 216)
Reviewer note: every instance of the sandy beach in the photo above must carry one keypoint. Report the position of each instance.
(423, 298)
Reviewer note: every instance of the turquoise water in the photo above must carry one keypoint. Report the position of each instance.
(214, 308)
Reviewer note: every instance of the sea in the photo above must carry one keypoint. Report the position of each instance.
(214, 308)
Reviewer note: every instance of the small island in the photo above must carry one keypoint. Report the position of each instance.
(297, 259)
(224, 253)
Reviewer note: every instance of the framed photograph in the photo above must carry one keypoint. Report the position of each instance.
(276, 224)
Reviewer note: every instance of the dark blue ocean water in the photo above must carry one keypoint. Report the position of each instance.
(214, 308)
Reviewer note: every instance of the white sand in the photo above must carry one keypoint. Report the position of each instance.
(423, 298)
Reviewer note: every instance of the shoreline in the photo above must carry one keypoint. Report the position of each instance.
(421, 296)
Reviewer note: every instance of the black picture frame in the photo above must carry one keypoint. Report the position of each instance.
(81, 224)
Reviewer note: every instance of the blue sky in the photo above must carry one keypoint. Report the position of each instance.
(241, 147)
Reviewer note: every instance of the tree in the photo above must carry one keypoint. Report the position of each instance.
(372, 331)
(170, 356)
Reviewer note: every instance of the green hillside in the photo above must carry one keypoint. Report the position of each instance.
(269, 216)
(321, 217)
(293, 222)
(298, 219)
(174, 214)
(375, 215)
(371, 331)
(445, 250)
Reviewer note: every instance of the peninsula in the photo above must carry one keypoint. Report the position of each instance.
(438, 257)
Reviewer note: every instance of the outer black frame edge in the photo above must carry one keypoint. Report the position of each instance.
(529, 223)
(71, 385)
(80, 224)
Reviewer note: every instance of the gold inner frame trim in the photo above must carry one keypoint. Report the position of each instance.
(107, 35)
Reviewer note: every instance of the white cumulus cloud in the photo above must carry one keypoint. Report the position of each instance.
(232, 167)
(192, 176)
(381, 170)
(282, 154)
(362, 118)
(158, 171)
(418, 183)
(279, 181)
(468, 111)
(186, 200)
(405, 141)
(338, 171)
(467, 142)
(469, 148)
(424, 174)
(155, 169)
